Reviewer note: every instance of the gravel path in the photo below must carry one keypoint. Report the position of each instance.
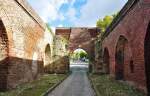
(77, 84)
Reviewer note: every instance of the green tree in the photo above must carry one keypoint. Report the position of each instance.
(79, 55)
(105, 22)
(83, 54)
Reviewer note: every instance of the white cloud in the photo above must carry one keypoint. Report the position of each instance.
(90, 12)
(48, 9)
(95, 9)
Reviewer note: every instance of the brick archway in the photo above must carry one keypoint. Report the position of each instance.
(47, 58)
(147, 57)
(106, 61)
(74, 38)
(119, 58)
(3, 57)
(47, 55)
(78, 38)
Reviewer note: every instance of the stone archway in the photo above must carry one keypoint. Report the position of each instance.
(119, 58)
(3, 57)
(147, 57)
(106, 61)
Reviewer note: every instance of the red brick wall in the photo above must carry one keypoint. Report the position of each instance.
(133, 27)
(24, 33)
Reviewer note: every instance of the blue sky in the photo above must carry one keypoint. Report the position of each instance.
(75, 13)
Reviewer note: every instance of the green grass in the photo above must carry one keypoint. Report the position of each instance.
(37, 87)
(105, 86)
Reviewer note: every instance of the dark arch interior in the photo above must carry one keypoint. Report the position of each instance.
(119, 58)
(106, 61)
(47, 55)
(3, 57)
(147, 57)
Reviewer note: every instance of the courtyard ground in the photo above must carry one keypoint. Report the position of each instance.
(37, 87)
(106, 86)
(77, 84)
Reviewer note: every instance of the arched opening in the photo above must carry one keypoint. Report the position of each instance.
(47, 55)
(119, 58)
(147, 57)
(3, 57)
(47, 58)
(79, 59)
(106, 61)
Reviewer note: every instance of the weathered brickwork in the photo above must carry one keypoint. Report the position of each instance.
(131, 24)
(22, 44)
(70, 39)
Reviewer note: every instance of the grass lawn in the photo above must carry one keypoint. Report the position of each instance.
(37, 87)
(105, 86)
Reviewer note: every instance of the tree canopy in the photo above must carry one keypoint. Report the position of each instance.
(79, 55)
(105, 22)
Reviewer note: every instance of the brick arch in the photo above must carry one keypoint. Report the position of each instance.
(3, 56)
(119, 58)
(8, 30)
(48, 67)
(147, 57)
(106, 61)
(83, 38)
(78, 37)
(47, 55)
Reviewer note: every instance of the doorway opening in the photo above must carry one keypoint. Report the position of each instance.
(79, 59)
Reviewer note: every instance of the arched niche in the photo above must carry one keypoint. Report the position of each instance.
(106, 61)
(119, 58)
(47, 57)
(3, 56)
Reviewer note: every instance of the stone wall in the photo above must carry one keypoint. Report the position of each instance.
(22, 60)
(131, 23)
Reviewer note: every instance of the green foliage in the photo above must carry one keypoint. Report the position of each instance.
(79, 55)
(83, 54)
(105, 22)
